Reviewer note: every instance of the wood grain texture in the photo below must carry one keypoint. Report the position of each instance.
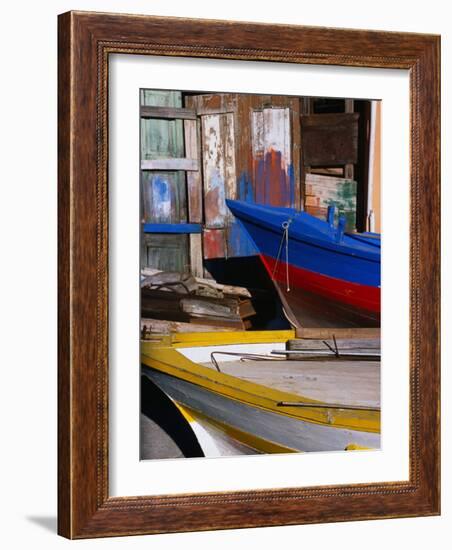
(64, 294)
(85, 41)
(330, 139)
(170, 164)
(167, 112)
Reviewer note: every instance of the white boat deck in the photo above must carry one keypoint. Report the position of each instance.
(355, 383)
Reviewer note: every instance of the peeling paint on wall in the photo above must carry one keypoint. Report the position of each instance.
(161, 199)
(274, 180)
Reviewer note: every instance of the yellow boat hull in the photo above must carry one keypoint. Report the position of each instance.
(251, 413)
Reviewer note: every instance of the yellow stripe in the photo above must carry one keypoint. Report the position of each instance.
(169, 361)
(200, 339)
(355, 447)
(184, 412)
(250, 440)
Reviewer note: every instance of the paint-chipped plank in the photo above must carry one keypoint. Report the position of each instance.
(277, 132)
(214, 243)
(171, 164)
(177, 113)
(165, 252)
(218, 154)
(258, 133)
(324, 191)
(194, 179)
(214, 104)
(194, 193)
(330, 139)
(227, 135)
(151, 327)
(161, 138)
(241, 107)
(164, 197)
(272, 155)
(196, 255)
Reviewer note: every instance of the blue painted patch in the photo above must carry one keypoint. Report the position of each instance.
(239, 241)
(172, 228)
(245, 188)
(161, 199)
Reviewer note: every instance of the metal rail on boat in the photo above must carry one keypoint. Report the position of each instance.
(370, 355)
(327, 406)
(243, 357)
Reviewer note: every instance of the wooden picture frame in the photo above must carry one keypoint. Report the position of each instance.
(86, 40)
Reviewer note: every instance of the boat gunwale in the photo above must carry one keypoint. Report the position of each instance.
(362, 250)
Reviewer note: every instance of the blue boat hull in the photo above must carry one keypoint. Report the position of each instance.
(307, 257)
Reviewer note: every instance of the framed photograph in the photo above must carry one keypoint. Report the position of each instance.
(248, 275)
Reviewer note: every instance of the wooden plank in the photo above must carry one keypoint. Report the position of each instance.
(349, 169)
(194, 191)
(358, 348)
(212, 321)
(277, 132)
(214, 104)
(228, 142)
(173, 306)
(272, 156)
(347, 383)
(246, 309)
(342, 344)
(164, 197)
(328, 333)
(202, 307)
(165, 252)
(330, 139)
(151, 327)
(170, 164)
(296, 151)
(323, 191)
(174, 280)
(225, 289)
(176, 113)
(329, 121)
(196, 265)
(161, 138)
(218, 155)
(214, 241)
(194, 178)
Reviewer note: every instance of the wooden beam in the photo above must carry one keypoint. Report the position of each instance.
(328, 333)
(172, 228)
(349, 169)
(196, 264)
(172, 113)
(170, 164)
(194, 181)
(152, 327)
(342, 344)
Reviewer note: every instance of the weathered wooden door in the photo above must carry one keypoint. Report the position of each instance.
(250, 152)
(168, 238)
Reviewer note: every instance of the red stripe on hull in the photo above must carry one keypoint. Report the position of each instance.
(361, 296)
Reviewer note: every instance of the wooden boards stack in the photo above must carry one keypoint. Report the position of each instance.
(177, 302)
(349, 349)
